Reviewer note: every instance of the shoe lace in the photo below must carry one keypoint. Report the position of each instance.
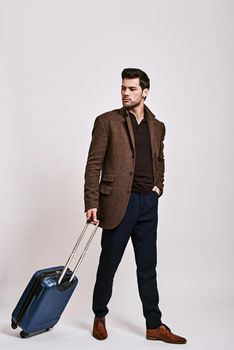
(167, 328)
(101, 324)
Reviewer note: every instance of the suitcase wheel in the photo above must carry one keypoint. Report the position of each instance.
(13, 324)
(24, 334)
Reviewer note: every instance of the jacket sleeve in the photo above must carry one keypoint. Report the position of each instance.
(96, 154)
(161, 162)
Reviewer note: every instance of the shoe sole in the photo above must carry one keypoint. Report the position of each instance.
(166, 341)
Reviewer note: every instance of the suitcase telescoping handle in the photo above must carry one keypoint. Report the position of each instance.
(75, 248)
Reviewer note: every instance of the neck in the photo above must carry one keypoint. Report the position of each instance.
(138, 111)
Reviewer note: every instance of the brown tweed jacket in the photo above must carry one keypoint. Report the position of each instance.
(111, 160)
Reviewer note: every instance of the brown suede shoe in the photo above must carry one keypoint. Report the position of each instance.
(164, 333)
(99, 328)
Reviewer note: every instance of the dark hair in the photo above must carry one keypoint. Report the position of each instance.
(131, 73)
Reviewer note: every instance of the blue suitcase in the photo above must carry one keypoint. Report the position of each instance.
(47, 294)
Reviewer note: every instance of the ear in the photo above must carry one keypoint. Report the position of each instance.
(145, 92)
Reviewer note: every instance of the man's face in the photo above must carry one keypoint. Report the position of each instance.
(132, 94)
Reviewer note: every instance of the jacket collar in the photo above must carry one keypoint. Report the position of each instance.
(147, 112)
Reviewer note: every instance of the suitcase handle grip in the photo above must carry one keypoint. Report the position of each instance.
(75, 248)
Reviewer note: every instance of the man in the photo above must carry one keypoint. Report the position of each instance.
(124, 178)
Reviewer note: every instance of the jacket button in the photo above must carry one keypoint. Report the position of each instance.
(130, 173)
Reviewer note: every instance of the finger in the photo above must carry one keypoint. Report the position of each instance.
(95, 222)
(94, 214)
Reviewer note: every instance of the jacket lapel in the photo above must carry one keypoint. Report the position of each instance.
(153, 131)
(125, 113)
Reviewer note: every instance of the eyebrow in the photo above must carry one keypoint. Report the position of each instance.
(130, 87)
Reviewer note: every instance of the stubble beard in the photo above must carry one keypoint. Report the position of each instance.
(131, 104)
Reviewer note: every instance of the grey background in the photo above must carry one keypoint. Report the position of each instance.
(60, 65)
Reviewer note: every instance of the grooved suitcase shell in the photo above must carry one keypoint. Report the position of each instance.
(47, 301)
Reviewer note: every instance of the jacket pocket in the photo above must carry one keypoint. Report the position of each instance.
(108, 177)
(105, 189)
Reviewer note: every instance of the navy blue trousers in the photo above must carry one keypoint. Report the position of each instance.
(140, 223)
